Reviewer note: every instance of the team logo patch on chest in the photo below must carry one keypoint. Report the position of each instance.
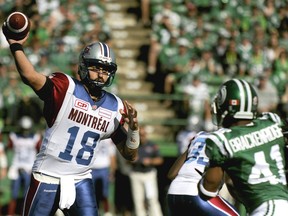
(81, 104)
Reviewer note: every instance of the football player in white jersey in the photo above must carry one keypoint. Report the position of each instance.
(78, 115)
(186, 172)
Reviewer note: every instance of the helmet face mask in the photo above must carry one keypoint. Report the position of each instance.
(98, 55)
(236, 99)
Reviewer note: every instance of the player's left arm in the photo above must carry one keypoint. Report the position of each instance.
(127, 141)
(27, 71)
(173, 171)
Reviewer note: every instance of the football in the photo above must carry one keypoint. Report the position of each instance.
(16, 26)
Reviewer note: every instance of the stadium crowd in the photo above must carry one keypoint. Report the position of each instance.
(196, 45)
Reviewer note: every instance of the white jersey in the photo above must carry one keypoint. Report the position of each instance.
(24, 150)
(185, 183)
(73, 133)
(105, 150)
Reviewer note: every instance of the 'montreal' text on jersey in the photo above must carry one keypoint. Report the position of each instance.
(88, 120)
(256, 138)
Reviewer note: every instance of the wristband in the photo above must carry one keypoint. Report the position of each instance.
(205, 192)
(133, 139)
(15, 47)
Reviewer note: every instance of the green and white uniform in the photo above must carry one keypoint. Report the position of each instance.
(253, 157)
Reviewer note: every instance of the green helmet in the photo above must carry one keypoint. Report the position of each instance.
(235, 99)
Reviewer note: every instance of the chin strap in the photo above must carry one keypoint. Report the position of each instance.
(95, 91)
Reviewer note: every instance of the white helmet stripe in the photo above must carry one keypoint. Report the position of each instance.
(245, 91)
(105, 51)
(249, 96)
(242, 95)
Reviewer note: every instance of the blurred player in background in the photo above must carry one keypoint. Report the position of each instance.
(25, 144)
(144, 179)
(103, 171)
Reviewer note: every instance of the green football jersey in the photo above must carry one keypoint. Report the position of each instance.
(253, 157)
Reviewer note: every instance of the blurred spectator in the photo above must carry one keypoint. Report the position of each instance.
(257, 18)
(259, 35)
(204, 6)
(34, 51)
(29, 106)
(280, 72)
(44, 66)
(95, 27)
(103, 170)
(219, 49)
(3, 82)
(43, 33)
(194, 69)
(59, 17)
(228, 29)
(231, 60)
(283, 104)
(269, 9)
(267, 94)
(257, 62)
(244, 12)
(47, 6)
(208, 64)
(25, 144)
(244, 48)
(283, 26)
(197, 103)
(200, 26)
(29, 6)
(164, 65)
(198, 45)
(91, 25)
(189, 20)
(164, 24)
(61, 58)
(167, 11)
(73, 68)
(144, 177)
(12, 94)
(145, 13)
(272, 48)
(179, 66)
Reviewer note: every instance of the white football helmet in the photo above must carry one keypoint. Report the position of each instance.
(100, 55)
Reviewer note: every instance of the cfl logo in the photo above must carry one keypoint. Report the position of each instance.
(81, 104)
